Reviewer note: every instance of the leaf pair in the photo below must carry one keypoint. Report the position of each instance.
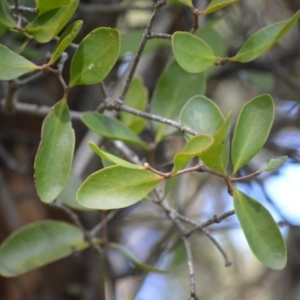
(251, 131)
(52, 17)
(195, 56)
(204, 116)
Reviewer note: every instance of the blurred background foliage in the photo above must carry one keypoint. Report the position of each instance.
(143, 228)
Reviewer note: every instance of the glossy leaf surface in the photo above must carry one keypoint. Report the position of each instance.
(116, 187)
(202, 115)
(265, 38)
(13, 65)
(217, 155)
(112, 158)
(111, 129)
(37, 245)
(6, 18)
(136, 97)
(95, 57)
(193, 148)
(52, 17)
(215, 5)
(252, 130)
(175, 86)
(261, 231)
(65, 40)
(274, 164)
(55, 154)
(136, 262)
(192, 53)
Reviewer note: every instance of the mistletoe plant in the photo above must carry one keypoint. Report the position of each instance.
(178, 103)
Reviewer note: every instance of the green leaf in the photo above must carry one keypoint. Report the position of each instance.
(51, 19)
(13, 65)
(116, 187)
(274, 164)
(193, 148)
(65, 40)
(265, 38)
(112, 158)
(252, 130)
(68, 194)
(175, 86)
(187, 2)
(136, 97)
(37, 245)
(215, 5)
(192, 53)
(6, 18)
(44, 6)
(216, 156)
(95, 57)
(111, 129)
(137, 263)
(261, 231)
(202, 115)
(55, 154)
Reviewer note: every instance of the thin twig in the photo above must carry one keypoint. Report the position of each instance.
(153, 35)
(195, 24)
(188, 249)
(117, 105)
(41, 110)
(103, 222)
(228, 262)
(233, 179)
(138, 55)
(20, 8)
(214, 219)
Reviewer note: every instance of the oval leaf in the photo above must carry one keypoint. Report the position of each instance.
(192, 53)
(265, 38)
(252, 130)
(13, 65)
(193, 148)
(202, 115)
(274, 164)
(136, 97)
(64, 41)
(6, 18)
(175, 86)
(215, 5)
(37, 245)
(261, 231)
(136, 262)
(112, 158)
(217, 155)
(51, 20)
(116, 187)
(111, 129)
(94, 58)
(55, 154)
